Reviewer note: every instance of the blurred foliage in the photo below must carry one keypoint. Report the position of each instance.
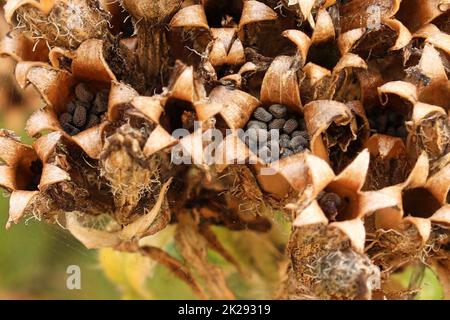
(429, 287)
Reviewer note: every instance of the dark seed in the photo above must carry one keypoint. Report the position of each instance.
(79, 116)
(70, 129)
(70, 107)
(262, 115)
(83, 94)
(290, 126)
(277, 124)
(92, 121)
(278, 110)
(256, 125)
(330, 203)
(65, 118)
(298, 141)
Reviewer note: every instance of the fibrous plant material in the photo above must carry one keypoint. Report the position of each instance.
(196, 115)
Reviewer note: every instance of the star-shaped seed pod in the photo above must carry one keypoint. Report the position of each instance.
(219, 40)
(430, 131)
(341, 84)
(278, 114)
(184, 107)
(76, 102)
(308, 10)
(50, 178)
(405, 226)
(329, 232)
(90, 108)
(338, 131)
(376, 20)
(430, 74)
(389, 162)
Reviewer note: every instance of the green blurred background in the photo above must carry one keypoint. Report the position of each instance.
(34, 258)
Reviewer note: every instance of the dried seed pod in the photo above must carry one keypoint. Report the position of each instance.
(52, 179)
(237, 106)
(335, 129)
(130, 158)
(284, 73)
(424, 201)
(347, 234)
(430, 131)
(79, 116)
(389, 164)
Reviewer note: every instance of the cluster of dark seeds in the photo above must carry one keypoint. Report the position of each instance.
(291, 129)
(84, 111)
(389, 123)
(330, 203)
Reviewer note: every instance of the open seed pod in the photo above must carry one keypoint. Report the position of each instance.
(430, 74)
(430, 131)
(59, 23)
(329, 232)
(77, 119)
(338, 131)
(341, 84)
(307, 10)
(405, 225)
(219, 31)
(50, 178)
(375, 21)
(395, 108)
(389, 162)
